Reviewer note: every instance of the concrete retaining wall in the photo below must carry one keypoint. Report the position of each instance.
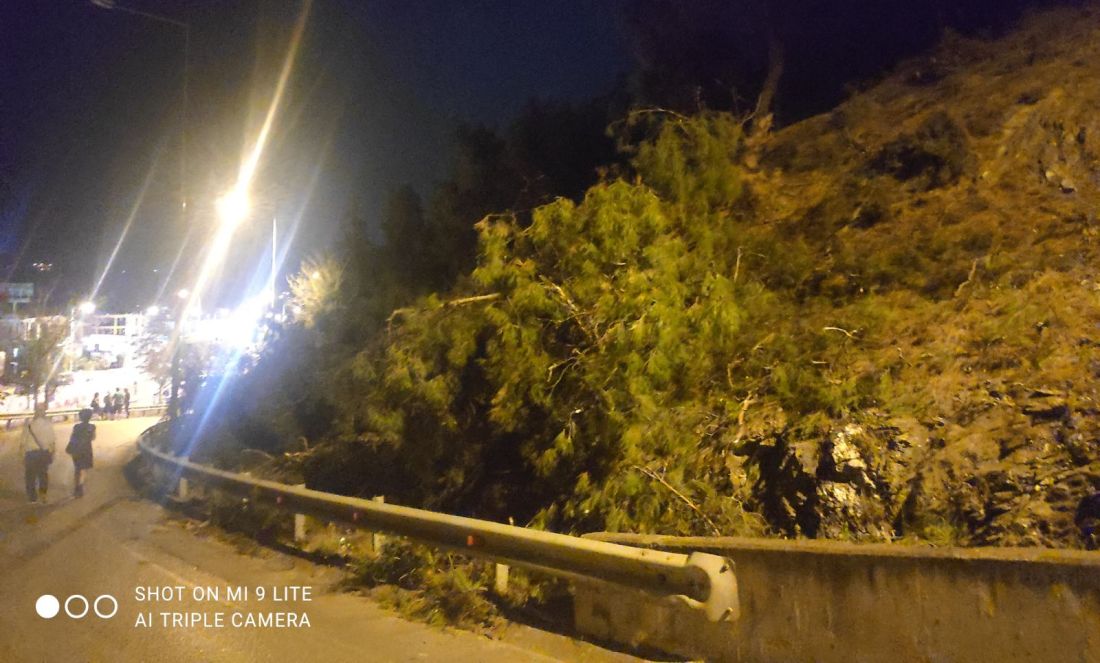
(831, 601)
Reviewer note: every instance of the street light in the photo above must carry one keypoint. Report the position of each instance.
(87, 308)
(233, 207)
(153, 311)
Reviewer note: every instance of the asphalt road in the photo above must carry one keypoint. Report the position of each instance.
(113, 543)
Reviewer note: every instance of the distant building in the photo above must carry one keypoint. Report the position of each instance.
(14, 294)
(109, 338)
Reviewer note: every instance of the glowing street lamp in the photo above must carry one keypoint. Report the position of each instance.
(87, 308)
(153, 311)
(234, 207)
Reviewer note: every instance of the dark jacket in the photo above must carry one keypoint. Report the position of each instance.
(80, 445)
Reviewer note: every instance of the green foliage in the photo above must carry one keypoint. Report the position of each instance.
(692, 161)
(594, 370)
(440, 588)
(608, 344)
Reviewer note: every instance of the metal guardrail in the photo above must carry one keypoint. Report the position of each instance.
(702, 580)
(65, 415)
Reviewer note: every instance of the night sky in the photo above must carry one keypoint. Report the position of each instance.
(91, 110)
(91, 106)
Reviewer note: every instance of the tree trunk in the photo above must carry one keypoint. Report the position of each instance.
(762, 116)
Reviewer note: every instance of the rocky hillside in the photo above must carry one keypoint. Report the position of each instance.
(959, 200)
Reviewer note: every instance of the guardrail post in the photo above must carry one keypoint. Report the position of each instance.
(378, 540)
(501, 571)
(300, 522)
(500, 579)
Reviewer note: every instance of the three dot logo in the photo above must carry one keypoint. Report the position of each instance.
(77, 606)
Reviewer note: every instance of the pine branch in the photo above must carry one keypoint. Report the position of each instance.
(694, 507)
(397, 312)
(471, 300)
(577, 314)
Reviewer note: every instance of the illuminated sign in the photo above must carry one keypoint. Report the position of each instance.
(16, 293)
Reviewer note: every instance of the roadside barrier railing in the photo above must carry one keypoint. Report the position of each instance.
(12, 418)
(703, 581)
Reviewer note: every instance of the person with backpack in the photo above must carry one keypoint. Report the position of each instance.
(80, 448)
(97, 409)
(38, 445)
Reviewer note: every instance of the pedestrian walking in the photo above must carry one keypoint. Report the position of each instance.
(97, 408)
(126, 401)
(80, 448)
(38, 445)
(118, 401)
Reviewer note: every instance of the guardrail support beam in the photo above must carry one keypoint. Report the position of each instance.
(300, 522)
(377, 539)
(500, 579)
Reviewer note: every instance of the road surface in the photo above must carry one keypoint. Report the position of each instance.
(113, 543)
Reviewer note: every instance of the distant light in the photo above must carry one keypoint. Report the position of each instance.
(183, 294)
(87, 308)
(315, 275)
(152, 311)
(234, 206)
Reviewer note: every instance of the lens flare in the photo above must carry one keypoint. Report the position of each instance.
(233, 207)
